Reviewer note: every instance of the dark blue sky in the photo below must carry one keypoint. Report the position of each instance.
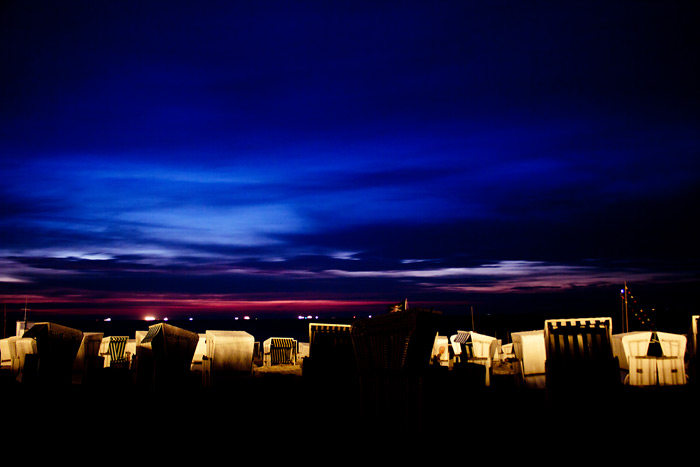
(194, 157)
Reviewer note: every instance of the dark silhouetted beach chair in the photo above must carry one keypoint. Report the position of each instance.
(57, 347)
(88, 361)
(393, 354)
(580, 360)
(331, 355)
(164, 358)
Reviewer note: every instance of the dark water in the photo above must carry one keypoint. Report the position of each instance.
(499, 325)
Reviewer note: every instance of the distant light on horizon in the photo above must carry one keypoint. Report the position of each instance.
(108, 319)
(149, 318)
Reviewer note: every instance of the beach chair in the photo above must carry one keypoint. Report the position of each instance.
(118, 356)
(57, 347)
(26, 349)
(393, 354)
(8, 353)
(330, 351)
(88, 359)
(441, 351)
(580, 358)
(694, 352)
(472, 347)
(279, 351)
(229, 354)
(164, 357)
(530, 354)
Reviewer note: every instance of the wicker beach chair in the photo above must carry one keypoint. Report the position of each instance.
(393, 354)
(57, 347)
(88, 360)
(580, 358)
(118, 356)
(164, 357)
(331, 355)
(280, 351)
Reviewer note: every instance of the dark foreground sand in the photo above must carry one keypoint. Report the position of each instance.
(283, 412)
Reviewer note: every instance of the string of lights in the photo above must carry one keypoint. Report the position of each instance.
(632, 308)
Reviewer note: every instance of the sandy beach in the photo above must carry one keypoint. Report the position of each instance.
(279, 404)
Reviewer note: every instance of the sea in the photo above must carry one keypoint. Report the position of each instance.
(263, 328)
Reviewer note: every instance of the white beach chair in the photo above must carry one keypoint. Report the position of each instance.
(228, 353)
(530, 352)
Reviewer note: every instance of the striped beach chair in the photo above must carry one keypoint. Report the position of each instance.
(280, 350)
(118, 356)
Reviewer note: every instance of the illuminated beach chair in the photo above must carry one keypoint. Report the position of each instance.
(229, 354)
(279, 351)
(25, 347)
(441, 351)
(116, 355)
(580, 358)
(658, 359)
(628, 346)
(694, 351)
(530, 353)
(8, 353)
(200, 353)
(472, 347)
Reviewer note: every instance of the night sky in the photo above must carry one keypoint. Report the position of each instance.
(229, 158)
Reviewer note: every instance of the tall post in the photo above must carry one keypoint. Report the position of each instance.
(625, 316)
